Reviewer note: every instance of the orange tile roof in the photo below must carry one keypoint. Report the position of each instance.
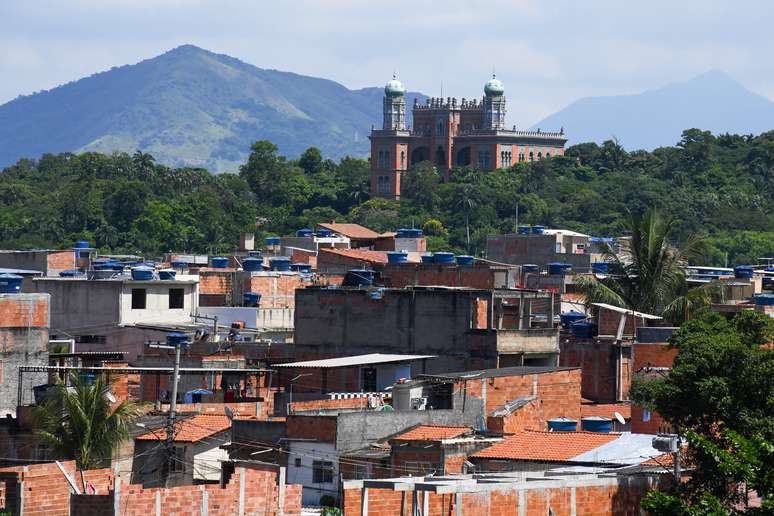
(607, 410)
(432, 433)
(359, 254)
(545, 446)
(355, 231)
(193, 429)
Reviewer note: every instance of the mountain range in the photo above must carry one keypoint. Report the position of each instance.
(712, 102)
(192, 107)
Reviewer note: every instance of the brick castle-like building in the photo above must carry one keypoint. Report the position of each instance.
(449, 133)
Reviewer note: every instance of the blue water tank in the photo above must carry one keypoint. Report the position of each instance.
(562, 424)
(177, 339)
(764, 299)
(252, 299)
(219, 262)
(108, 266)
(397, 257)
(72, 273)
(743, 271)
(324, 233)
(464, 259)
(409, 233)
(142, 273)
(523, 230)
(600, 267)
(273, 241)
(304, 268)
(583, 329)
(597, 424)
(538, 230)
(426, 258)
(279, 263)
(10, 283)
(359, 278)
(443, 258)
(167, 274)
(530, 267)
(82, 244)
(252, 264)
(567, 318)
(305, 232)
(177, 264)
(559, 268)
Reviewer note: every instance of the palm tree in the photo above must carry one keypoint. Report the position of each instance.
(80, 423)
(647, 274)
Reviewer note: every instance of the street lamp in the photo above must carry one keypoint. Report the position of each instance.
(292, 380)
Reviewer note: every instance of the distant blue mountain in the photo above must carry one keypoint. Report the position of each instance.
(192, 107)
(712, 102)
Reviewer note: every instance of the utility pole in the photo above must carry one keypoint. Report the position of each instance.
(678, 472)
(171, 418)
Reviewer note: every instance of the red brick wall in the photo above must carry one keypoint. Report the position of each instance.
(60, 261)
(558, 394)
(215, 286)
(597, 500)
(608, 321)
(304, 256)
(322, 428)
(23, 310)
(276, 291)
(399, 276)
(597, 360)
(46, 492)
(328, 404)
(651, 355)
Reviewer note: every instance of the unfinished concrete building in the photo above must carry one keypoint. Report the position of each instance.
(466, 328)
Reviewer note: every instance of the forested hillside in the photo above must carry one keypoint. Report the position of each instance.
(719, 186)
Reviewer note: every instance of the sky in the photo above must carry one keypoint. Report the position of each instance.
(548, 53)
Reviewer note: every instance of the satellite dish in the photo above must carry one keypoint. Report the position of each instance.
(619, 417)
(229, 413)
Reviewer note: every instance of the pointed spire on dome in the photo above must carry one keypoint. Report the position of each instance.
(394, 88)
(493, 87)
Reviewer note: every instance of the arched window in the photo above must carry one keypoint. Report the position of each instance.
(531, 157)
(540, 155)
(439, 128)
(402, 160)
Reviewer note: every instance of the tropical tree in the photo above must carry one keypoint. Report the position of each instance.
(647, 272)
(719, 396)
(80, 422)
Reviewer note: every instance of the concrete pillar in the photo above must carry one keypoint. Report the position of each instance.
(425, 503)
(158, 503)
(281, 492)
(573, 510)
(205, 502)
(458, 504)
(364, 502)
(241, 491)
(522, 502)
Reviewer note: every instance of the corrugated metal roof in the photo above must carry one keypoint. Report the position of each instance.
(626, 311)
(626, 449)
(373, 358)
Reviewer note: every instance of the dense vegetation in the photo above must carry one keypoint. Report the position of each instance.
(720, 186)
(719, 395)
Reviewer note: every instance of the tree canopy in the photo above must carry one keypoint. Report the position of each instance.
(717, 186)
(719, 394)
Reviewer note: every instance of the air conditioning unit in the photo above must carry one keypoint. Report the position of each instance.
(666, 443)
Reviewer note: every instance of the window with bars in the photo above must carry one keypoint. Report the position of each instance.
(322, 472)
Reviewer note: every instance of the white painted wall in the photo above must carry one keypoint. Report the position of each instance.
(157, 302)
(307, 453)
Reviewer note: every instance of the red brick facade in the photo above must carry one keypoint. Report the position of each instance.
(600, 497)
(44, 491)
